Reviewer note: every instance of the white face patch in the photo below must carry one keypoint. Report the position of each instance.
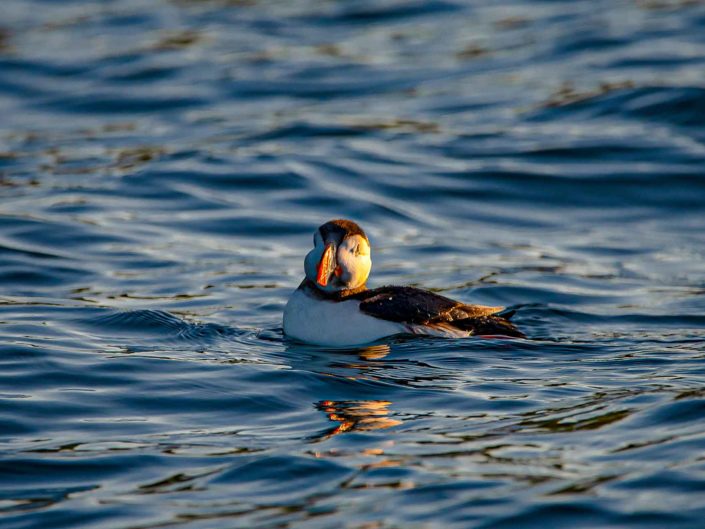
(354, 261)
(313, 258)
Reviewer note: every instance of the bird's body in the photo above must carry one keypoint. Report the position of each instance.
(333, 306)
(336, 323)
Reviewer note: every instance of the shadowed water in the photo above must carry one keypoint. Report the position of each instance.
(162, 169)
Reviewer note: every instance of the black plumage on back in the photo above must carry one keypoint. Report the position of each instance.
(421, 307)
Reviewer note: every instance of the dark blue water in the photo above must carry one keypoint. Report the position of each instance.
(162, 168)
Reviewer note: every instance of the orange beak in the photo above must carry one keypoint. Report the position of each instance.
(327, 265)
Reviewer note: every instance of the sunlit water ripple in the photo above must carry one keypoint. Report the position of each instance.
(162, 169)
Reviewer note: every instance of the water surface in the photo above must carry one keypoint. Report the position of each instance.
(162, 169)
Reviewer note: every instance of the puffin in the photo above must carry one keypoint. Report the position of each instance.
(333, 306)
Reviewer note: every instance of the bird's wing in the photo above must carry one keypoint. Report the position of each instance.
(415, 306)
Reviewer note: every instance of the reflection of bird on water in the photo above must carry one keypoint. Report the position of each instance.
(373, 352)
(333, 305)
(360, 415)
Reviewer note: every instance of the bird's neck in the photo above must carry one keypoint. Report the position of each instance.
(339, 295)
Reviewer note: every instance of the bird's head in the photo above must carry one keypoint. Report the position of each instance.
(340, 258)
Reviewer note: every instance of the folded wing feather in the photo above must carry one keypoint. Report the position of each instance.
(420, 307)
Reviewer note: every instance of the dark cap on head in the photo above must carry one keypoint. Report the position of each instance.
(340, 229)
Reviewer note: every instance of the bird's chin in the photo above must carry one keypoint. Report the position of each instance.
(335, 286)
(331, 287)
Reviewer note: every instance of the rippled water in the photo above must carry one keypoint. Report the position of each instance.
(162, 168)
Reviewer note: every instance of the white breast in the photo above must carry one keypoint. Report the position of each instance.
(335, 323)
